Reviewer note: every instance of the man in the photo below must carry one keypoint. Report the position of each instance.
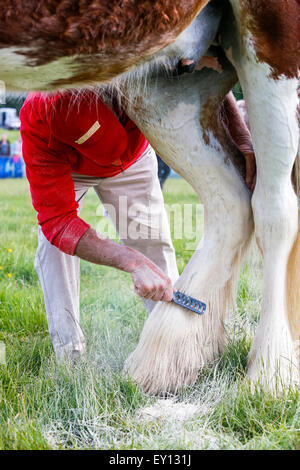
(4, 146)
(70, 145)
(163, 171)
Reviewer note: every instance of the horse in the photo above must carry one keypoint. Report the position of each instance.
(259, 40)
(59, 44)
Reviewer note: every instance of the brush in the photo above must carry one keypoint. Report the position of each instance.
(188, 302)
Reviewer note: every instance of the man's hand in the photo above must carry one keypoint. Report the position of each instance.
(237, 127)
(149, 281)
(250, 169)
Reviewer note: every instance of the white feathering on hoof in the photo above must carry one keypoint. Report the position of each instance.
(175, 344)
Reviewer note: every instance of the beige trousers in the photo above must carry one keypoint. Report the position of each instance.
(134, 202)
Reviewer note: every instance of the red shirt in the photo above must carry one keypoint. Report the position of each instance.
(61, 135)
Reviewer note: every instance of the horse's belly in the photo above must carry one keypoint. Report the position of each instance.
(19, 76)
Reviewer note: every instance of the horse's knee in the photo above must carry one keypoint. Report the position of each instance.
(235, 213)
(276, 218)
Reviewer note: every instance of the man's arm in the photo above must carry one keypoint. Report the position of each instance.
(149, 281)
(240, 134)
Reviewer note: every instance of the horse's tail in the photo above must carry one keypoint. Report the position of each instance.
(293, 271)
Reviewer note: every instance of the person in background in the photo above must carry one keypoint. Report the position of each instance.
(163, 171)
(17, 150)
(4, 146)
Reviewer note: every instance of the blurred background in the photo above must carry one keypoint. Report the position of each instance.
(11, 160)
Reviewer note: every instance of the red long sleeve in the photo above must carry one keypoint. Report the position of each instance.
(51, 185)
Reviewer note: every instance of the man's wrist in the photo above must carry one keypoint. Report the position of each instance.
(133, 259)
(100, 250)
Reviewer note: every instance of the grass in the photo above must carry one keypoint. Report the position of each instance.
(45, 406)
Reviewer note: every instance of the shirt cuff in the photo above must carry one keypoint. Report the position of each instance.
(71, 235)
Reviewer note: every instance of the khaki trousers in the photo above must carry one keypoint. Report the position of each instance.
(134, 201)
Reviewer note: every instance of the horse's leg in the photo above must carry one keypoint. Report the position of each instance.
(272, 106)
(175, 116)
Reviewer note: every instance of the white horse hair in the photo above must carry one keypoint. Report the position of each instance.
(178, 119)
(175, 343)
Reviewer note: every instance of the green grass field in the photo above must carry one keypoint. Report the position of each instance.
(43, 406)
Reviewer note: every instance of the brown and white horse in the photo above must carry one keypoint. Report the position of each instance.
(57, 44)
